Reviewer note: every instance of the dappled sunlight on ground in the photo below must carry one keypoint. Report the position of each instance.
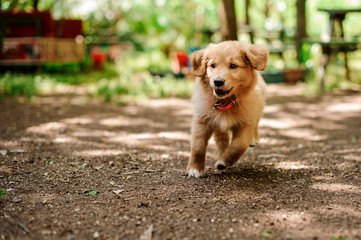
(113, 133)
(298, 222)
(99, 152)
(345, 107)
(293, 165)
(301, 182)
(305, 134)
(336, 187)
(307, 120)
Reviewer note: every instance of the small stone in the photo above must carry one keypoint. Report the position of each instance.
(3, 152)
(16, 200)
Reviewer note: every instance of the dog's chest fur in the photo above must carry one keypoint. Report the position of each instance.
(222, 120)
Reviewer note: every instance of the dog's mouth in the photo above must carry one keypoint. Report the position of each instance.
(222, 93)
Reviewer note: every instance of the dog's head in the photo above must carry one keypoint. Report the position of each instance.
(229, 67)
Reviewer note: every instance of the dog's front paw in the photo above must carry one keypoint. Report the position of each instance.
(220, 165)
(194, 173)
(254, 142)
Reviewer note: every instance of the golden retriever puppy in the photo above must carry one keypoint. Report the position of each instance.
(228, 101)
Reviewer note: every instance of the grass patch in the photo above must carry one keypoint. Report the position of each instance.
(140, 62)
(139, 87)
(18, 85)
(41, 83)
(140, 79)
(135, 78)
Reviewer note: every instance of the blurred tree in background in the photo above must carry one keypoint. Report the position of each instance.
(185, 23)
(228, 20)
(156, 27)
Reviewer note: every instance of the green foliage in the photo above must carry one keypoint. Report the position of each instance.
(88, 191)
(335, 76)
(134, 88)
(154, 23)
(266, 235)
(38, 83)
(340, 238)
(157, 26)
(135, 78)
(93, 192)
(351, 24)
(17, 85)
(2, 193)
(139, 80)
(336, 4)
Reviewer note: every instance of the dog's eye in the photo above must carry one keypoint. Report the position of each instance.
(213, 65)
(233, 66)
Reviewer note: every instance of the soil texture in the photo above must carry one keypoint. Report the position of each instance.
(72, 167)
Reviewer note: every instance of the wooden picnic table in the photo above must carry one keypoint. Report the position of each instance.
(333, 46)
(336, 17)
(335, 41)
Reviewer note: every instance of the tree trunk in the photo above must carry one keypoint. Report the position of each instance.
(301, 27)
(35, 5)
(248, 21)
(228, 21)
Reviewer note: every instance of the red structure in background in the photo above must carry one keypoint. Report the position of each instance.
(180, 62)
(35, 39)
(98, 59)
(69, 28)
(23, 24)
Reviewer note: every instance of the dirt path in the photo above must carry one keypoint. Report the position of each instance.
(76, 168)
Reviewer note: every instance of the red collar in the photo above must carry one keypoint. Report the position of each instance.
(225, 104)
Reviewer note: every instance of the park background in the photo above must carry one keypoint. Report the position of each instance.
(135, 44)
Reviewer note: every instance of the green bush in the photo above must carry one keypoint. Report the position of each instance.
(18, 85)
(138, 76)
(142, 86)
(37, 83)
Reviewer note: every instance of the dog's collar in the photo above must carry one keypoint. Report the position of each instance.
(225, 104)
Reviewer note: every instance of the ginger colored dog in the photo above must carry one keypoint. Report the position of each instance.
(228, 101)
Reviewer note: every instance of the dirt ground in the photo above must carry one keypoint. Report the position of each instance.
(78, 168)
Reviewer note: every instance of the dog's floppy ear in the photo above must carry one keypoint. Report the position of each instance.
(257, 56)
(198, 63)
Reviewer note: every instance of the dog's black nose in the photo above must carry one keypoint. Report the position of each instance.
(218, 82)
